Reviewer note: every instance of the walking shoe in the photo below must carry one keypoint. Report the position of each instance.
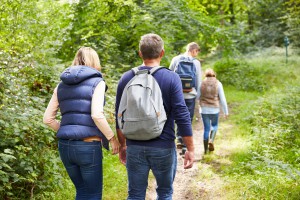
(179, 145)
(211, 146)
(182, 151)
(205, 143)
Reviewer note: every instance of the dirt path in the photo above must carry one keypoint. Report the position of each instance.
(186, 180)
(202, 181)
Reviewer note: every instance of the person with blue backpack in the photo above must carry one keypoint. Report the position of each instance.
(189, 70)
(147, 94)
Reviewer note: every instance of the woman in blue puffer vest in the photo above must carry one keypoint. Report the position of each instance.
(83, 129)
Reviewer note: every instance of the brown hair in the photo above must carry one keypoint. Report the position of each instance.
(191, 46)
(151, 46)
(210, 73)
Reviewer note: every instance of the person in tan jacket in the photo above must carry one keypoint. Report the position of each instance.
(212, 98)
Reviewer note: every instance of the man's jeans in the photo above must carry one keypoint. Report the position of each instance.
(208, 121)
(83, 161)
(162, 162)
(190, 103)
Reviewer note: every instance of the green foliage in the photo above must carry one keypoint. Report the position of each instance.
(32, 29)
(293, 21)
(28, 36)
(279, 117)
(242, 75)
(29, 161)
(257, 71)
(103, 28)
(124, 22)
(266, 27)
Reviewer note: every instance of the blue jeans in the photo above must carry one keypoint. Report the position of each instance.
(190, 104)
(83, 162)
(162, 162)
(210, 122)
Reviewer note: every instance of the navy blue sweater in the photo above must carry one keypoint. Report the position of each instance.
(171, 88)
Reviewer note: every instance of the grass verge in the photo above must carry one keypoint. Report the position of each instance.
(264, 141)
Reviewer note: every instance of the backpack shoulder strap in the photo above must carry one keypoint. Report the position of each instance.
(187, 58)
(182, 57)
(135, 70)
(155, 69)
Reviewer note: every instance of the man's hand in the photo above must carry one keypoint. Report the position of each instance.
(122, 140)
(122, 155)
(188, 159)
(189, 154)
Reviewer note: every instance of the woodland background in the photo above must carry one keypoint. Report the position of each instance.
(243, 40)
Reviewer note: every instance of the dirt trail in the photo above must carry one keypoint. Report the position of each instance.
(202, 180)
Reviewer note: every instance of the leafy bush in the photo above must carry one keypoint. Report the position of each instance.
(30, 33)
(276, 124)
(29, 161)
(242, 75)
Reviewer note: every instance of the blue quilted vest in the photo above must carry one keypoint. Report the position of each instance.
(75, 94)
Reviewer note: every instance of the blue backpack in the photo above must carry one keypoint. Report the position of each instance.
(187, 73)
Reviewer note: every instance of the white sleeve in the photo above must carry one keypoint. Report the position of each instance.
(98, 111)
(199, 77)
(51, 111)
(222, 98)
(173, 63)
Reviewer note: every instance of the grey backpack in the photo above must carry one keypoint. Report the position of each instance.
(141, 114)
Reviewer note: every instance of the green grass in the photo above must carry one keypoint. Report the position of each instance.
(265, 169)
(115, 178)
(68, 190)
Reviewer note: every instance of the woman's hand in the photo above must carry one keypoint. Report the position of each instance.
(115, 145)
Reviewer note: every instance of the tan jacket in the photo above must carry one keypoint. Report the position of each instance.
(209, 93)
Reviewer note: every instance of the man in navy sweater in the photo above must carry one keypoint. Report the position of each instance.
(158, 154)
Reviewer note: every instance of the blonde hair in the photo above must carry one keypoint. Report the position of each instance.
(191, 46)
(88, 57)
(210, 73)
